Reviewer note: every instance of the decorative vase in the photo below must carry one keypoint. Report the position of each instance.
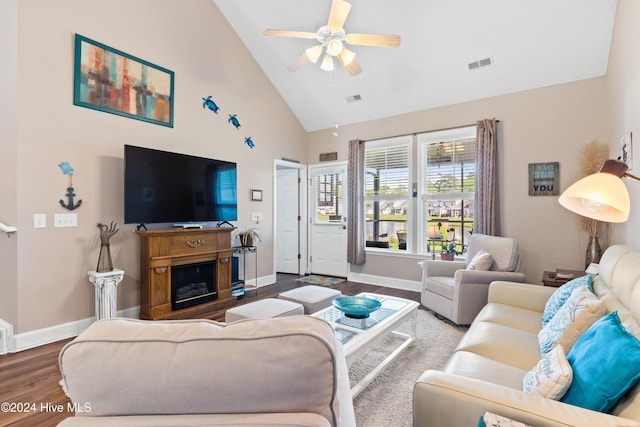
(594, 252)
(447, 256)
(246, 240)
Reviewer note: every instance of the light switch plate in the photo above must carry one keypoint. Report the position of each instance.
(39, 220)
(65, 220)
(256, 217)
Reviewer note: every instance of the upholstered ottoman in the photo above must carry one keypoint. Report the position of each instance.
(313, 298)
(263, 309)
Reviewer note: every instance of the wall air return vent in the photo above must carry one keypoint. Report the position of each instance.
(353, 98)
(481, 63)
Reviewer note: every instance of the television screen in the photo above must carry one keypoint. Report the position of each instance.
(166, 187)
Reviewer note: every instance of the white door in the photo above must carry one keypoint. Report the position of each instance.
(287, 220)
(328, 221)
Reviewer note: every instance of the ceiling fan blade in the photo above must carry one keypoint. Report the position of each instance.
(350, 64)
(286, 33)
(337, 16)
(299, 63)
(380, 40)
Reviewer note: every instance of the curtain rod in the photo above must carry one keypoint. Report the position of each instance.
(424, 131)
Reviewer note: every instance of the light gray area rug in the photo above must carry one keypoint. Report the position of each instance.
(387, 401)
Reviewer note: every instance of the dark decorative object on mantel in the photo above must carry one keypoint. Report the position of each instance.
(104, 259)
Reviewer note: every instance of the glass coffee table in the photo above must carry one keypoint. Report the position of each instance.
(360, 335)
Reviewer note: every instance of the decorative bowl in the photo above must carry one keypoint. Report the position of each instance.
(356, 307)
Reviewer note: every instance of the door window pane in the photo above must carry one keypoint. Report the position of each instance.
(329, 203)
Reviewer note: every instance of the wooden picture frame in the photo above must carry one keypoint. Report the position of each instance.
(109, 80)
(544, 179)
(256, 195)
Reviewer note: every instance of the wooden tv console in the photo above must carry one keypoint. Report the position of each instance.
(162, 249)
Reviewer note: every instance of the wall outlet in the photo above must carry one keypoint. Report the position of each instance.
(39, 220)
(65, 220)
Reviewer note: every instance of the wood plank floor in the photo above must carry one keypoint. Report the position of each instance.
(29, 379)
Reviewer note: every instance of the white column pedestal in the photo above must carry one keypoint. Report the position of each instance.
(106, 296)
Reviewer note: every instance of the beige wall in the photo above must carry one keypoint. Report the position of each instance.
(623, 107)
(8, 146)
(189, 37)
(543, 125)
(44, 279)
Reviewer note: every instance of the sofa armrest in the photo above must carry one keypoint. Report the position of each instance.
(482, 276)
(442, 399)
(523, 295)
(441, 268)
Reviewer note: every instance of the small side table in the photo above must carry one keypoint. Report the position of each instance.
(550, 278)
(106, 295)
(244, 250)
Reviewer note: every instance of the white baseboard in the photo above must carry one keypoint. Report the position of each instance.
(389, 282)
(38, 337)
(10, 343)
(6, 331)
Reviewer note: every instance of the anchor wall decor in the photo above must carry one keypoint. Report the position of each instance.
(68, 170)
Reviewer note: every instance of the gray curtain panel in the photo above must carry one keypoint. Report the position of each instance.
(355, 208)
(486, 216)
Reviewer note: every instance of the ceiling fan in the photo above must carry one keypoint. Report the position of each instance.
(332, 38)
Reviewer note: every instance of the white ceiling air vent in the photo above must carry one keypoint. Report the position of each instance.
(353, 98)
(481, 63)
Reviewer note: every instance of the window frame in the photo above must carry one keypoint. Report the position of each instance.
(408, 141)
(423, 139)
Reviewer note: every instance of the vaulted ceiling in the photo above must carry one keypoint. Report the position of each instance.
(530, 43)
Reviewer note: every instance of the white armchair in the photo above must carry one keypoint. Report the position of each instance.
(454, 291)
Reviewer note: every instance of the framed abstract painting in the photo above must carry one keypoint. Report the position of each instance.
(109, 80)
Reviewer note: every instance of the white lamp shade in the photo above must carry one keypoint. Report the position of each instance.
(313, 53)
(601, 196)
(327, 63)
(334, 47)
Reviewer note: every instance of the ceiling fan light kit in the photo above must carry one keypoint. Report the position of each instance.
(327, 63)
(332, 38)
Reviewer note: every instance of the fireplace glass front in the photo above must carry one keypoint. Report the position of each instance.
(193, 284)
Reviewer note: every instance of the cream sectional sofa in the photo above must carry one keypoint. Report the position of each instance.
(485, 373)
(286, 371)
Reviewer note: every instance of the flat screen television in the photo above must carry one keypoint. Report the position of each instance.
(166, 187)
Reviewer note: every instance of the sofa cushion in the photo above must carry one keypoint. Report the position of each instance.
(472, 365)
(605, 362)
(503, 250)
(580, 311)
(251, 366)
(441, 285)
(482, 260)
(508, 315)
(561, 295)
(551, 377)
(503, 344)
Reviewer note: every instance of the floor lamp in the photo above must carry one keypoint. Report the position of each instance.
(601, 196)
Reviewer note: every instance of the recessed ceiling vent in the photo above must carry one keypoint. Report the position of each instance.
(481, 63)
(353, 98)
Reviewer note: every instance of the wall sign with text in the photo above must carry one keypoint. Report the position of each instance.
(544, 179)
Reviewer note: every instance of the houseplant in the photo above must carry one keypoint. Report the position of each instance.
(592, 156)
(448, 252)
(248, 236)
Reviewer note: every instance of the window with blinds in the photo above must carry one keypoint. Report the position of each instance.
(447, 179)
(329, 203)
(387, 192)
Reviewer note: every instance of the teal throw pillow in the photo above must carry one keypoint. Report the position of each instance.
(605, 362)
(562, 294)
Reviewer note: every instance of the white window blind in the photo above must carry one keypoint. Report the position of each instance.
(387, 170)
